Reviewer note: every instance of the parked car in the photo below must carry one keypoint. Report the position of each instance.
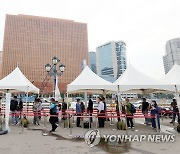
(138, 104)
(166, 111)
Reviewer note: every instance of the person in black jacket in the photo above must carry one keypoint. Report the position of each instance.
(145, 108)
(90, 109)
(20, 108)
(175, 111)
(64, 108)
(53, 115)
(14, 109)
(117, 110)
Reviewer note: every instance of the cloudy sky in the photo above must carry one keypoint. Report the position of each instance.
(145, 25)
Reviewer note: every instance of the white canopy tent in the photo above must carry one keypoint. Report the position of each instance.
(172, 78)
(88, 81)
(15, 82)
(133, 80)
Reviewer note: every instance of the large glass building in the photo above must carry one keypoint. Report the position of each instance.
(172, 54)
(111, 60)
(92, 61)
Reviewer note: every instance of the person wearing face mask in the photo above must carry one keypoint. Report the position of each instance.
(175, 111)
(154, 111)
(14, 109)
(129, 114)
(100, 112)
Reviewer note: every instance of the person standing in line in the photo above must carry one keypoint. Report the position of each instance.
(129, 114)
(64, 108)
(35, 111)
(20, 108)
(117, 110)
(14, 109)
(82, 109)
(78, 113)
(53, 115)
(90, 109)
(39, 108)
(105, 109)
(100, 112)
(175, 111)
(145, 109)
(154, 111)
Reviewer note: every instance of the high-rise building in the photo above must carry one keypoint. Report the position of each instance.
(0, 57)
(92, 61)
(30, 42)
(172, 54)
(111, 60)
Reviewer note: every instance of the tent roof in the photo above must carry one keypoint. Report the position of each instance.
(173, 77)
(88, 81)
(16, 81)
(133, 80)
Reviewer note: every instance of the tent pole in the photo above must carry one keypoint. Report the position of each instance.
(176, 95)
(27, 102)
(7, 110)
(85, 99)
(119, 100)
(69, 122)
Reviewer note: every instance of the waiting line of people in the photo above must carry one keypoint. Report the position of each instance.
(126, 108)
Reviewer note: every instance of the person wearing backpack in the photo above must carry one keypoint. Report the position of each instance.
(53, 115)
(14, 109)
(129, 114)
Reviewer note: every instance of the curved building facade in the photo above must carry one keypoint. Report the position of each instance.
(172, 54)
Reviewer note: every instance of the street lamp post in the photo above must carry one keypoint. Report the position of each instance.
(52, 71)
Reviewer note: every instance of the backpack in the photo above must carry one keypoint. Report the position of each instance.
(121, 125)
(133, 110)
(53, 110)
(178, 128)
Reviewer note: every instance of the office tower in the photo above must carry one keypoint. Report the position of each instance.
(111, 60)
(92, 61)
(172, 54)
(31, 42)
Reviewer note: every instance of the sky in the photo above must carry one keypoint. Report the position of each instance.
(144, 25)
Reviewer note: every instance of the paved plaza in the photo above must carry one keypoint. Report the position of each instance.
(33, 140)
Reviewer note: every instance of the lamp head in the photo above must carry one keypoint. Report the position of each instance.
(48, 67)
(55, 60)
(62, 67)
